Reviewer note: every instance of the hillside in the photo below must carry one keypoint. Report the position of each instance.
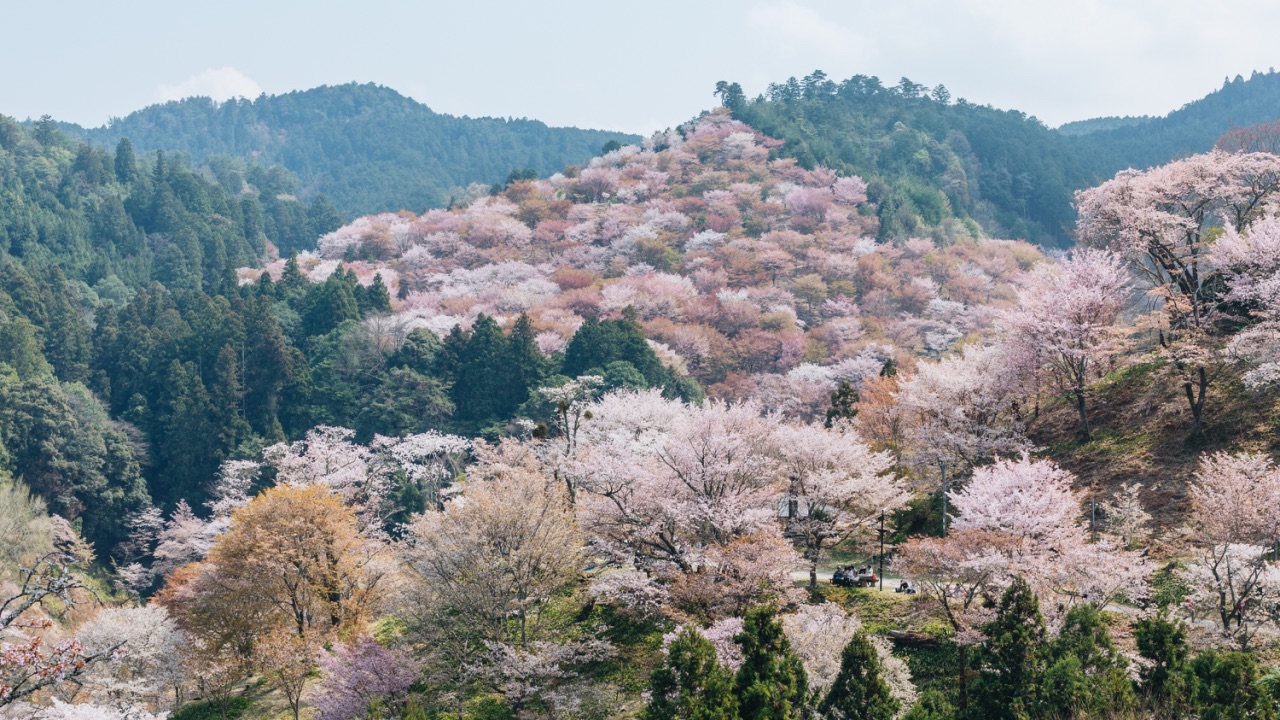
(367, 147)
(1191, 129)
(931, 160)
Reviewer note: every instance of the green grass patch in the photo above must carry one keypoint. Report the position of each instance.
(209, 710)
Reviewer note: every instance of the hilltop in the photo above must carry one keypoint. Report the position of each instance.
(935, 163)
(367, 147)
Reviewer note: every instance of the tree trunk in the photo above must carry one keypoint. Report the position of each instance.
(1196, 392)
(813, 576)
(1084, 416)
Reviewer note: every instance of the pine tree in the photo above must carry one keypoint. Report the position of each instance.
(1226, 687)
(1165, 680)
(771, 684)
(328, 305)
(126, 162)
(844, 403)
(527, 364)
(225, 401)
(292, 277)
(375, 298)
(690, 684)
(482, 378)
(1086, 673)
(1012, 658)
(859, 693)
(931, 705)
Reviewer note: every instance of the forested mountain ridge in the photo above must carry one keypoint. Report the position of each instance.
(931, 160)
(367, 147)
(1193, 128)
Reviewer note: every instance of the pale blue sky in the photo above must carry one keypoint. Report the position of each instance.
(628, 65)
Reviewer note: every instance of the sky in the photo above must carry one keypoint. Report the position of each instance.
(632, 66)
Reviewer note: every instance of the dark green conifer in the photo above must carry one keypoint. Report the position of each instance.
(859, 692)
(690, 684)
(771, 684)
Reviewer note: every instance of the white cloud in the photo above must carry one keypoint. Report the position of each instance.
(218, 83)
(798, 28)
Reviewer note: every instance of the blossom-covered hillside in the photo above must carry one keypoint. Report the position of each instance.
(759, 278)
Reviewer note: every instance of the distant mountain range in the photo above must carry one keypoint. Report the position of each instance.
(937, 167)
(367, 147)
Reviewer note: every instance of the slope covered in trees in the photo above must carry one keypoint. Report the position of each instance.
(366, 147)
(1193, 128)
(460, 464)
(932, 160)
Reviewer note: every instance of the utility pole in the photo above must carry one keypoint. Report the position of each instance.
(943, 464)
(881, 551)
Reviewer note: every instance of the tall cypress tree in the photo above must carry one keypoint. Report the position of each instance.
(482, 377)
(126, 162)
(528, 367)
(690, 684)
(771, 684)
(859, 693)
(1013, 658)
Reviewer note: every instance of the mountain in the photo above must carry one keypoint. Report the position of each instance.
(930, 161)
(1193, 128)
(935, 164)
(366, 147)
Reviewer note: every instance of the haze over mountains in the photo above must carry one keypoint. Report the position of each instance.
(928, 156)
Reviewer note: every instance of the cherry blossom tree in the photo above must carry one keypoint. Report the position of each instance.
(147, 662)
(518, 527)
(544, 672)
(1251, 263)
(28, 662)
(819, 634)
(1161, 221)
(185, 539)
(838, 487)
(1066, 316)
(286, 660)
(676, 489)
(962, 410)
(1032, 505)
(359, 678)
(1234, 529)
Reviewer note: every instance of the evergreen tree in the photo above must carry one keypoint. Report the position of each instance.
(483, 379)
(1227, 687)
(20, 350)
(1165, 680)
(600, 342)
(527, 364)
(1086, 673)
(404, 402)
(328, 305)
(771, 684)
(375, 298)
(1013, 658)
(322, 217)
(225, 398)
(126, 164)
(185, 437)
(844, 403)
(931, 705)
(419, 352)
(859, 693)
(292, 277)
(690, 684)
